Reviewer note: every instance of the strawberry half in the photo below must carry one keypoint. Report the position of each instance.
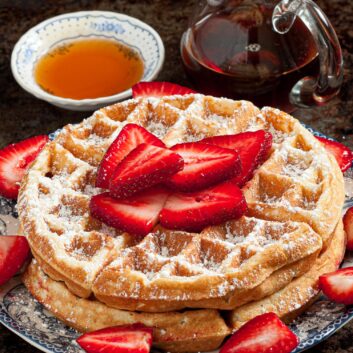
(158, 89)
(137, 215)
(253, 148)
(348, 227)
(15, 160)
(136, 338)
(143, 167)
(342, 153)
(265, 333)
(129, 138)
(195, 211)
(338, 285)
(204, 165)
(14, 250)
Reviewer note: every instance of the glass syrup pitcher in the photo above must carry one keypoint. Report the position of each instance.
(278, 53)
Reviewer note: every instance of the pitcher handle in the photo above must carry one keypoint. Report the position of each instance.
(313, 90)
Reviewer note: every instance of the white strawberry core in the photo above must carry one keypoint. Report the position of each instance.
(195, 162)
(342, 284)
(148, 208)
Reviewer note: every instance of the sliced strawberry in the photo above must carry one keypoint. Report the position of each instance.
(15, 160)
(342, 153)
(128, 139)
(14, 250)
(204, 165)
(265, 333)
(338, 285)
(158, 89)
(253, 148)
(197, 210)
(348, 227)
(137, 215)
(143, 167)
(136, 338)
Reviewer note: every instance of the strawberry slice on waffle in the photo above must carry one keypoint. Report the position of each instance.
(253, 148)
(129, 138)
(142, 168)
(204, 165)
(195, 211)
(136, 215)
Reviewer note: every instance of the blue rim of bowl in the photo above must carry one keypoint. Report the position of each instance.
(41, 94)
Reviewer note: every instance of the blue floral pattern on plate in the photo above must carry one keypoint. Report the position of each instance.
(23, 315)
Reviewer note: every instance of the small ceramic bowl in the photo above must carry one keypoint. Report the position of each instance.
(79, 25)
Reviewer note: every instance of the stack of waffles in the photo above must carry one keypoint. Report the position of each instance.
(194, 289)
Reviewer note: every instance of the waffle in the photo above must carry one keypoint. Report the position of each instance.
(190, 330)
(295, 200)
(299, 294)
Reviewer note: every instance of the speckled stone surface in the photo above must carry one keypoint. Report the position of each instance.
(22, 115)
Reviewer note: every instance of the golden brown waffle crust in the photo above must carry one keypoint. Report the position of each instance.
(189, 331)
(295, 200)
(299, 294)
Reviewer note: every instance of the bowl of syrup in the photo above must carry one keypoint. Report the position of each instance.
(88, 59)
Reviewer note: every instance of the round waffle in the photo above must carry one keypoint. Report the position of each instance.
(295, 200)
(190, 330)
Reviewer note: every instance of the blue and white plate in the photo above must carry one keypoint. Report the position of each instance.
(23, 315)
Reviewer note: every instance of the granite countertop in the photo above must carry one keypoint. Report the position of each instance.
(22, 115)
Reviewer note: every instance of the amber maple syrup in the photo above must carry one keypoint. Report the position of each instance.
(89, 68)
(241, 57)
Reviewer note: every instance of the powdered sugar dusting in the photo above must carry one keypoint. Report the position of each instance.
(157, 128)
(58, 193)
